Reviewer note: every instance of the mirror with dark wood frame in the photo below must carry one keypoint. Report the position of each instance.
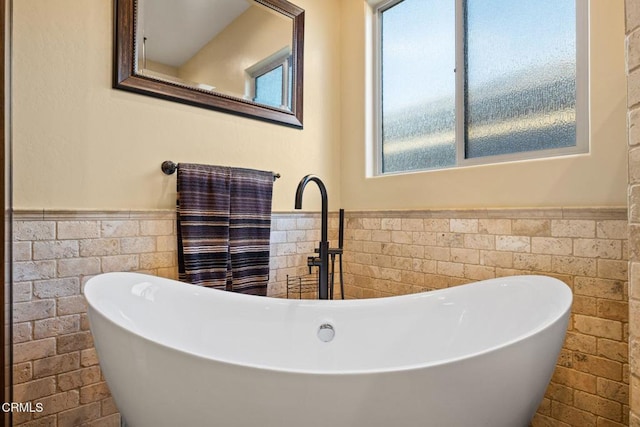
(238, 56)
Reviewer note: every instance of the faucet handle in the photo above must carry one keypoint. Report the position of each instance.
(312, 262)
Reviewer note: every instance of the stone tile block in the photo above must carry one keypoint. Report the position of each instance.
(79, 416)
(120, 263)
(283, 224)
(32, 390)
(531, 227)
(573, 228)
(33, 270)
(21, 251)
(613, 310)
(572, 415)
(436, 224)
(612, 229)
(50, 421)
(633, 91)
(102, 247)
(166, 243)
(159, 227)
(478, 272)
(402, 237)
(81, 377)
(55, 288)
(59, 402)
(613, 350)
(463, 225)
(394, 224)
(22, 291)
(108, 406)
(598, 405)
(33, 310)
(494, 226)
(580, 342)
(22, 372)
(294, 236)
(613, 390)
(584, 305)
(369, 223)
(598, 327)
(575, 379)
(94, 392)
(600, 288)
(74, 342)
(88, 357)
(496, 259)
(612, 269)
(34, 230)
(75, 304)
(533, 262)
(454, 269)
(78, 266)
(513, 243)
(598, 248)
(437, 253)
(119, 228)
(465, 256)
(55, 249)
(573, 265)
(22, 332)
(598, 366)
(56, 365)
(362, 235)
(108, 421)
(426, 238)
(56, 326)
(480, 241)
(453, 240)
(78, 229)
(307, 223)
(632, 15)
(552, 245)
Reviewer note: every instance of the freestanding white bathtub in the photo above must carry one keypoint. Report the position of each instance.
(180, 355)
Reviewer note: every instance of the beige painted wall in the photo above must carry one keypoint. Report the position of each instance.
(596, 179)
(252, 37)
(79, 144)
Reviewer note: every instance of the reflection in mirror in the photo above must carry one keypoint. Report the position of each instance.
(243, 56)
(244, 51)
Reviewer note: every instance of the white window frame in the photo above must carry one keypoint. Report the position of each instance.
(582, 94)
(281, 58)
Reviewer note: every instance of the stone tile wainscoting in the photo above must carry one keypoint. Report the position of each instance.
(55, 253)
(391, 253)
(387, 253)
(632, 11)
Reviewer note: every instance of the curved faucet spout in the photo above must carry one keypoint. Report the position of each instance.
(323, 194)
(323, 251)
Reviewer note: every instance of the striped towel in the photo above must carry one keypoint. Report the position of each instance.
(224, 226)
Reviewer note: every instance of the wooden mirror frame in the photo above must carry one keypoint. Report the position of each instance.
(126, 78)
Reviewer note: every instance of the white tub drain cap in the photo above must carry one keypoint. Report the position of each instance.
(326, 332)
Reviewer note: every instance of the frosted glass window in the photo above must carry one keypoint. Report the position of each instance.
(462, 82)
(418, 85)
(520, 76)
(269, 87)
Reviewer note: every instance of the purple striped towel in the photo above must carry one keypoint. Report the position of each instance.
(224, 226)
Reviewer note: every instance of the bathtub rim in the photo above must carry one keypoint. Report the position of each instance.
(367, 301)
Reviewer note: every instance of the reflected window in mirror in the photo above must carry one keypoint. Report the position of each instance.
(269, 81)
